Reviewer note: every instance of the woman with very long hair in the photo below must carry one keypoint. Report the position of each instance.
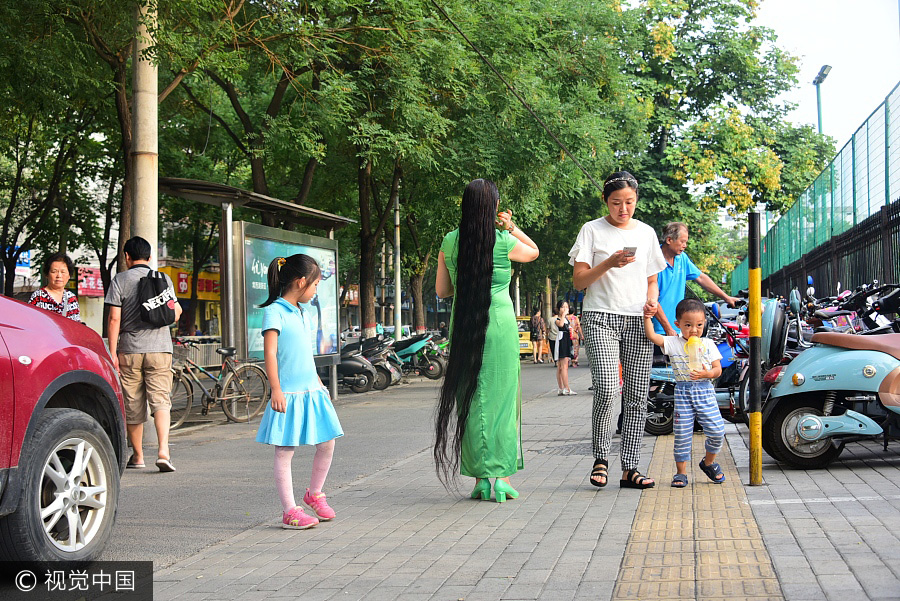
(477, 420)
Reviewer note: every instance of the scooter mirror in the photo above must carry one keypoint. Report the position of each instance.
(795, 300)
(714, 309)
(810, 292)
(809, 280)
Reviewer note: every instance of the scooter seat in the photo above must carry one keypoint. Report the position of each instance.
(403, 344)
(884, 343)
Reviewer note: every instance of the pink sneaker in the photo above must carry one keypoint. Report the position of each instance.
(319, 505)
(296, 519)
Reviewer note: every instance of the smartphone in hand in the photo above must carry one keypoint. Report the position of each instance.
(629, 251)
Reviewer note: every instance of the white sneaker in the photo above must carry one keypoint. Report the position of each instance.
(560, 392)
(571, 392)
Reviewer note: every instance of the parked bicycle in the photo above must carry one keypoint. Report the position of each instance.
(241, 388)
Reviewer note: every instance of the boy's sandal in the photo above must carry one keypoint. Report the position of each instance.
(713, 471)
(132, 464)
(679, 481)
(600, 470)
(634, 479)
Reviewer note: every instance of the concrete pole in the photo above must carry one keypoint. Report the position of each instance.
(145, 151)
(398, 296)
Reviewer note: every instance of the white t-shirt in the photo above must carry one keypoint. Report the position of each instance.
(621, 290)
(674, 347)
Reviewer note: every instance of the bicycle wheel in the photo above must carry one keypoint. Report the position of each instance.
(245, 392)
(182, 397)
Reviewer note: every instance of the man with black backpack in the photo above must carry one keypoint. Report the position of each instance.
(142, 305)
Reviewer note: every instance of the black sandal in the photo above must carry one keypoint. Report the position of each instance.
(600, 470)
(634, 479)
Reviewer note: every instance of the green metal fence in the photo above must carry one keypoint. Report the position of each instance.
(861, 179)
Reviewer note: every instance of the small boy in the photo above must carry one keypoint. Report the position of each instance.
(694, 392)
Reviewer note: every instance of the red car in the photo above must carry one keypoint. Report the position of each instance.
(62, 437)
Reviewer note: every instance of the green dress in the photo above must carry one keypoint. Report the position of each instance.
(491, 446)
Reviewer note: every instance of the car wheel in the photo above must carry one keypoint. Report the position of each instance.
(70, 491)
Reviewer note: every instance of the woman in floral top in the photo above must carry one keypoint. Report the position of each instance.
(54, 297)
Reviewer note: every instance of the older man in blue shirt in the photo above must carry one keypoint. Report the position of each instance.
(678, 271)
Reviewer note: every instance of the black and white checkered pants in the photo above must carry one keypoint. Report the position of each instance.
(611, 339)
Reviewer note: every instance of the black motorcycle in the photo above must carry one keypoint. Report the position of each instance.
(354, 371)
(376, 350)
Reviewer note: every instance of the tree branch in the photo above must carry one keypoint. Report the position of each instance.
(206, 109)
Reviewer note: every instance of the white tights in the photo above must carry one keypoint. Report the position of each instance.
(283, 480)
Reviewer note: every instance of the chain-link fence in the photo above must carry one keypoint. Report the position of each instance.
(850, 197)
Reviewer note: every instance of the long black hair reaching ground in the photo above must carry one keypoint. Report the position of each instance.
(471, 309)
(284, 270)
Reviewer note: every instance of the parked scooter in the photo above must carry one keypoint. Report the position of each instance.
(376, 350)
(413, 359)
(354, 371)
(845, 388)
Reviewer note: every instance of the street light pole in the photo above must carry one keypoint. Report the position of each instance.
(823, 73)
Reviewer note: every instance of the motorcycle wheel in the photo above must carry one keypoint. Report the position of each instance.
(364, 387)
(432, 368)
(382, 378)
(659, 422)
(780, 434)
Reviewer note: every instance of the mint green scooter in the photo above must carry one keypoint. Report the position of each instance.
(845, 388)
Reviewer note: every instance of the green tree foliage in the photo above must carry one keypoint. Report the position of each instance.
(346, 105)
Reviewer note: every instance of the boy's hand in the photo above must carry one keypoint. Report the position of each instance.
(699, 374)
(649, 312)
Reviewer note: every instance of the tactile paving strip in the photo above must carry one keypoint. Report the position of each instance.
(699, 542)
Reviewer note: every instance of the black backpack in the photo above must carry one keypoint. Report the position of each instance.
(157, 300)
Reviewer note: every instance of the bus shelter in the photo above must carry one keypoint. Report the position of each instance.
(245, 250)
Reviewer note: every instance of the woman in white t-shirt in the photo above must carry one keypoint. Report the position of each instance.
(616, 258)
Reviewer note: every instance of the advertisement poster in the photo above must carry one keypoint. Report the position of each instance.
(258, 253)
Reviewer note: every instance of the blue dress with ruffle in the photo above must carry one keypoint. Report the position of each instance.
(310, 417)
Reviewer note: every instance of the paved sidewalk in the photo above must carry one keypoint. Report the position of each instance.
(834, 533)
(400, 535)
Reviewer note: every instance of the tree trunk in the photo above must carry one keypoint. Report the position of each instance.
(367, 242)
(416, 282)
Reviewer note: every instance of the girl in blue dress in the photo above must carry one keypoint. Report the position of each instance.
(300, 412)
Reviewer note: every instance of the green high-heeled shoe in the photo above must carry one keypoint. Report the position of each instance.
(482, 489)
(503, 490)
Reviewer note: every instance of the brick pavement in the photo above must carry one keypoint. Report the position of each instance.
(834, 533)
(400, 535)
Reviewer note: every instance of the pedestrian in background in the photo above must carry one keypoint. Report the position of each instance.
(577, 335)
(142, 353)
(481, 386)
(678, 271)
(562, 351)
(553, 334)
(538, 334)
(617, 258)
(58, 269)
(300, 412)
